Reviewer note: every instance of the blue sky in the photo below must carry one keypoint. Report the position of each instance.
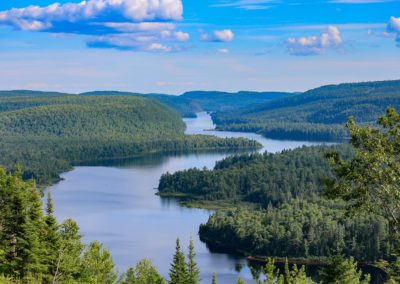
(172, 46)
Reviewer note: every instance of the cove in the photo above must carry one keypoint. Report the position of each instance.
(115, 203)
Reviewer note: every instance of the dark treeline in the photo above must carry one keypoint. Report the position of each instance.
(299, 229)
(316, 114)
(47, 134)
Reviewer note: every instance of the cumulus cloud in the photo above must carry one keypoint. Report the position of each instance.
(217, 36)
(107, 23)
(181, 36)
(393, 27)
(57, 16)
(315, 45)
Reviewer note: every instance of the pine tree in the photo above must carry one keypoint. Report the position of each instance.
(52, 238)
(240, 281)
(192, 269)
(23, 227)
(178, 273)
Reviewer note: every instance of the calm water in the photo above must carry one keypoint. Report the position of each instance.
(116, 205)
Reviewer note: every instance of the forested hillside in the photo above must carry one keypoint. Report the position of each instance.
(318, 114)
(48, 133)
(189, 103)
(297, 221)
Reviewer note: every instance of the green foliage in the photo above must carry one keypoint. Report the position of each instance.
(22, 228)
(340, 270)
(259, 178)
(97, 265)
(178, 273)
(192, 269)
(298, 229)
(370, 181)
(48, 134)
(295, 221)
(143, 273)
(317, 114)
(68, 264)
(272, 275)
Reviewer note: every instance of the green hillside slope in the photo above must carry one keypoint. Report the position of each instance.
(189, 103)
(317, 114)
(48, 134)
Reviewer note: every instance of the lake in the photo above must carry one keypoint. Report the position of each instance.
(115, 203)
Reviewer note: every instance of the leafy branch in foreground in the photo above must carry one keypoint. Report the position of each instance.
(371, 180)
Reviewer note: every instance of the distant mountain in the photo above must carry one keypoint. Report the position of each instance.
(318, 114)
(189, 103)
(29, 93)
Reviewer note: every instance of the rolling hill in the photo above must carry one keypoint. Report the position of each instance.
(47, 133)
(318, 114)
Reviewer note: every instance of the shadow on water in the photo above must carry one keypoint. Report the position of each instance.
(155, 159)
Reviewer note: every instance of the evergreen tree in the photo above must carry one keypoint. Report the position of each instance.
(240, 281)
(340, 270)
(22, 228)
(52, 240)
(192, 269)
(178, 272)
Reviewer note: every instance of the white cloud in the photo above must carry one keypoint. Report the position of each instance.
(217, 36)
(181, 36)
(223, 51)
(57, 16)
(393, 27)
(122, 24)
(127, 27)
(159, 47)
(315, 45)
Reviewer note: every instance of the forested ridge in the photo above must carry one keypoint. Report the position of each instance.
(187, 104)
(318, 114)
(49, 133)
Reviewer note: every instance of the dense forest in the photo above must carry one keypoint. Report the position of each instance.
(47, 133)
(35, 248)
(298, 222)
(318, 114)
(291, 216)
